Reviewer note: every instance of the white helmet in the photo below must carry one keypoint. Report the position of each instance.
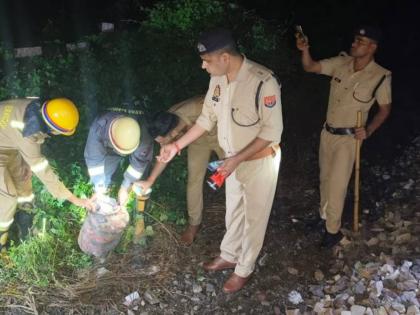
(124, 134)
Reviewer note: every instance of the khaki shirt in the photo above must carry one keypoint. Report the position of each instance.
(188, 111)
(11, 126)
(232, 106)
(352, 91)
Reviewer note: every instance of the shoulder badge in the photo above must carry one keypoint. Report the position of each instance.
(270, 101)
(261, 72)
(216, 94)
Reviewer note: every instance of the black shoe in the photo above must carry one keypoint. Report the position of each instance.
(23, 221)
(314, 224)
(330, 240)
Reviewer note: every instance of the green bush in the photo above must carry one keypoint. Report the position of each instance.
(157, 65)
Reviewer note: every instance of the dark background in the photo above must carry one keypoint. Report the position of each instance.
(328, 23)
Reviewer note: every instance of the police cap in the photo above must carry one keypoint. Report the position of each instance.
(371, 32)
(214, 39)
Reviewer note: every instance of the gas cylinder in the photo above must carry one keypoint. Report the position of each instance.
(102, 229)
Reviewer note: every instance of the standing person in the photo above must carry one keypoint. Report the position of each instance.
(357, 82)
(168, 126)
(112, 136)
(24, 126)
(244, 99)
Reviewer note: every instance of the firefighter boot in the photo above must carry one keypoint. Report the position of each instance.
(23, 221)
(3, 240)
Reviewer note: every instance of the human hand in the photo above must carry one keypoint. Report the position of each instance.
(88, 204)
(228, 166)
(361, 133)
(167, 152)
(144, 184)
(123, 194)
(302, 43)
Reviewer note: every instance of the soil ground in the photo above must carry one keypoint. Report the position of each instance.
(170, 279)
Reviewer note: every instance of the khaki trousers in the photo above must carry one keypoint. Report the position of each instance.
(250, 193)
(336, 160)
(14, 182)
(198, 159)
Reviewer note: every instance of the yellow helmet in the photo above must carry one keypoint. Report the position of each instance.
(124, 134)
(61, 115)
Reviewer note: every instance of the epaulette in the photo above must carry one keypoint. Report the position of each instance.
(261, 73)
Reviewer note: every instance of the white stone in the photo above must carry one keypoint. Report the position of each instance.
(413, 310)
(319, 307)
(357, 310)
(295, 297)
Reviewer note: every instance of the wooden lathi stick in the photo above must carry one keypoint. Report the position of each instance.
(357, 177)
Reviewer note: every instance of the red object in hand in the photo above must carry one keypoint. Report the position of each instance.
(216, 180)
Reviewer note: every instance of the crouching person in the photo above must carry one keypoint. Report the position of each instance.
(24, 126)
(112, 137)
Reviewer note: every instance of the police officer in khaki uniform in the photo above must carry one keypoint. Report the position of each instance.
(24, 125)
(244, 99)
(357, 81)
(171, 125)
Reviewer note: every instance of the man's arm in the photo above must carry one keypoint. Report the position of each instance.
(230, 164)
(379, 118)
(309, 65)
(167, 152)
(158, 168)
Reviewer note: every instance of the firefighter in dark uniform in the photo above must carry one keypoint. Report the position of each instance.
(112, 136)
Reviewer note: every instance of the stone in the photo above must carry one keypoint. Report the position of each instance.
(400, 308)
(319, 276)
(197, 288)
(359, 287)
(295, 297)
(319, 307)
(209, 288)
(372, 242)
(317, 290)
(357, 310)
(150, 297)
(413, 310)
(292, 271)
(403, 238)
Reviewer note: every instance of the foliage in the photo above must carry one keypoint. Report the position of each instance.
(156, 65)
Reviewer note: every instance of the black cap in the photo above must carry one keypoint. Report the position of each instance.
(215, 39)
(371, 32)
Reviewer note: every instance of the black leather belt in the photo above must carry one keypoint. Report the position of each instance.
(339, 131)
